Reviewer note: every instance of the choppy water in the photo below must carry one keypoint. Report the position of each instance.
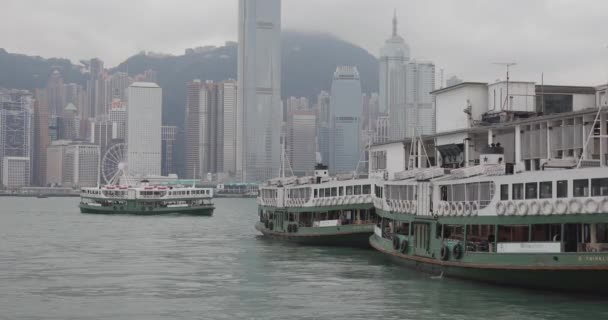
(56, 263)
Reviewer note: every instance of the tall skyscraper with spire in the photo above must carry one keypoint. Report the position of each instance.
(259, 90)
(405, 86)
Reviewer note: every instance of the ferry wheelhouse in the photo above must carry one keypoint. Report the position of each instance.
(147, 199)
(318, 210)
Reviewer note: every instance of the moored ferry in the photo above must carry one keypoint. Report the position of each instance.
(147, 199)
(318, 210)
(521, 201)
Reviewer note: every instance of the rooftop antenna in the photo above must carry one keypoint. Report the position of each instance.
(395, 23)
(508, 65)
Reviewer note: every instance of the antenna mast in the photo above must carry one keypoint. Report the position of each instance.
(507, 65)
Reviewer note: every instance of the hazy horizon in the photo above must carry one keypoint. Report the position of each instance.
(557, 37)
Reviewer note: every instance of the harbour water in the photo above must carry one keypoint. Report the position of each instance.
(56, 263)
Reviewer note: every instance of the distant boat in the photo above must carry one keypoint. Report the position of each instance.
(42, 196)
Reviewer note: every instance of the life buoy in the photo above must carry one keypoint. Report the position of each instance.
(413, 207)
(457, 251)
(403, 246)
(467, 208)
(500, 208)
(453, 209)
(444, 253)
(460, 209)
(396, 243)
(522, 209)
(605, 205)
(439, 210)
(591, 206)
(547, 207)
(511, 208)
(407, 206)
(575, 206)
(534, 208)
(561, 207)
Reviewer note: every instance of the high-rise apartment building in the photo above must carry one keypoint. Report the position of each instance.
(345, 112)
(144, 116)
(229, 102)
(300, 142)
(259, 90)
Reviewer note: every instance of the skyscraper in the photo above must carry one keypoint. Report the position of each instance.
(41, 138)
(144, 115)
(392, 58)
(55, 93)
(300, 136)
(16, 141)
(405, 87)
(345, 112)
(168, 134)
(229, 102)
(96, 90)
(259, 90)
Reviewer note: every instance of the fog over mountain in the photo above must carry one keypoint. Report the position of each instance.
(309, 60)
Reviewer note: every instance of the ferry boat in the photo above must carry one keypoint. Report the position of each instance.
(147, 199)
(318, 210)
(530, 212)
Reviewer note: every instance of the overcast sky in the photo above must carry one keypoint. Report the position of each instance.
(564, 39)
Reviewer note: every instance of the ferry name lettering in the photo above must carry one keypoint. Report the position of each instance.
(593, 258)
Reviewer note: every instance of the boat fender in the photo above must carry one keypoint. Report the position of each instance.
(547, 207)
(444, 253)
(403, 247)
(591, 206)
(575, 206)
(271, 226)
(396, 243)
(522, 208)
(294, 228)
(500, 208)
(457, 251)
(288, 228)
(115, 208)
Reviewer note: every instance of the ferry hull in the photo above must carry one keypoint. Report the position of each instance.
(356, 236)
(195, 211)
(582, 279)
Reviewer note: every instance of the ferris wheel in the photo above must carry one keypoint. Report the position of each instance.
(114, 163)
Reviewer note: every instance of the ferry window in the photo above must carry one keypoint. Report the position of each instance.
(357, 190)
(504, 192)
(532, 190)
(599, 187)
(518, 191)
(349, 190)
(562, 189)
(334, 192)
(327, 192)
(472, 191)
(546, 190)
(581, 188)
(341, 191)
(316, 193)
(537, 164)
(367, 189)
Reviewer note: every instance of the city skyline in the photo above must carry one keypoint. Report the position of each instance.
(509, 33)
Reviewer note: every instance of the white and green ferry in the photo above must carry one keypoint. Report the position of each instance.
(147, 199)
(318, 210)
